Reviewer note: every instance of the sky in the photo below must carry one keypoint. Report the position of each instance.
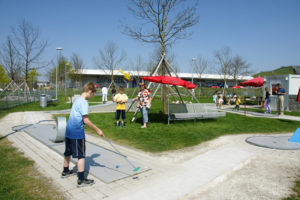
(266, 33)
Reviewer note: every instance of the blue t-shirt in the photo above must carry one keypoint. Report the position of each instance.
(281, 90)
(75, 125)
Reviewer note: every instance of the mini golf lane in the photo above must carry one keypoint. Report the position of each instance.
(103, 163)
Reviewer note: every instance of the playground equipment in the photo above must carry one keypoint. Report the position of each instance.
(126, 75)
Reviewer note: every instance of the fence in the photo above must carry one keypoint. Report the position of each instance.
(9, 99)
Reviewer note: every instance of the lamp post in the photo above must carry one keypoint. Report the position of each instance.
(193, 65)
(58, 49)
(67, 64)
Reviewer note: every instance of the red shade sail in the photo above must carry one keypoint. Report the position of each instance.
(237, 86)
(169, 80)
(256, 82)
(298, 97)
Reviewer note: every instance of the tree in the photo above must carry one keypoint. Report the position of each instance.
(138, 66)
(111, 59)
(28, 45)
(200, 66)
(77, 66)
(224, 61)
(240, 67)
(32, 77)
(3, 77)
(64, 68)
(10, 60)
(166, 20)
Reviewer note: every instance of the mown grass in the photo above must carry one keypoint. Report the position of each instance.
(279, 71)
(296, 189)
(159, 136)
(19, 179)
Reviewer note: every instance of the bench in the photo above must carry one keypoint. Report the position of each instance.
(193, 111)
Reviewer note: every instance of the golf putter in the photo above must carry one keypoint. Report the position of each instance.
(134, 115)
(135, 169)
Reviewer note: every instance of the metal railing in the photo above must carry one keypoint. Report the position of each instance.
(9, 99)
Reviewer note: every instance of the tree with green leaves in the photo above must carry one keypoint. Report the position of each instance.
(32, 77)
(4, 80)
(64, 71)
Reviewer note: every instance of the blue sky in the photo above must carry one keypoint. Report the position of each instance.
(264, 32)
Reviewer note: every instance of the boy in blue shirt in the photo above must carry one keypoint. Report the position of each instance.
(75, 135)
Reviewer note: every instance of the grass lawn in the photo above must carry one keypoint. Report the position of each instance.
(296, 189)
(159, 136)
(19, 179)
(35, 106)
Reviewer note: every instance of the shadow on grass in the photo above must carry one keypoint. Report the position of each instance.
(163, 118)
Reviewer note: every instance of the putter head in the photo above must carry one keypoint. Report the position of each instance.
(137, 169)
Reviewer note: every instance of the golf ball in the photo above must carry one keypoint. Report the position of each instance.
(117, 166)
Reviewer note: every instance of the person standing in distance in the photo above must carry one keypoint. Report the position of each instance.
(145, 97)
(75, 135)
(280, 99)
(104, 94)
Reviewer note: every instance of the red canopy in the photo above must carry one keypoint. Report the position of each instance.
(97, 86)
(256, 82)
(237, 86)
(215, 86)
(169, 80)
(298, 97)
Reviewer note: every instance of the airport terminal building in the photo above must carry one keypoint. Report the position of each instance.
(103, 77)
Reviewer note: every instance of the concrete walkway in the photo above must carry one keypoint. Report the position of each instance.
(227, 108)
(191, 173)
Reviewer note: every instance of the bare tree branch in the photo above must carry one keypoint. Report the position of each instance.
(28, 45)
(10, 60)
(111, 58)
(240, 67)
(163, 21)
(224, 60)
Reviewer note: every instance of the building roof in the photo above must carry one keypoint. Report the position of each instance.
(146, 73)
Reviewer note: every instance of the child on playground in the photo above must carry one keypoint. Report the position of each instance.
(215, 96)
(220, 101)
(120, 99)
(237, 104)
(75, 135)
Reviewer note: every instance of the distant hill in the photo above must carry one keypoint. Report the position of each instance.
(279, 71)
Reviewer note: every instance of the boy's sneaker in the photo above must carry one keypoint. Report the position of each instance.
(85, 182)
(67, 174)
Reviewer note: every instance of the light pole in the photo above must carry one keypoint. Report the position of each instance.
(57, 59)
(193, 65)
(67, 64)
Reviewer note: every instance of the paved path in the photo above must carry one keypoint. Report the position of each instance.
(183, 174)
(259, 114)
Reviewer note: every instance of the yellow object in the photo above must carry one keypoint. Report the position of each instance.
(120, 99)
(238, 101)
(126, 75)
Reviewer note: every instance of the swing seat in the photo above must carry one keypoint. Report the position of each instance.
(193, 111)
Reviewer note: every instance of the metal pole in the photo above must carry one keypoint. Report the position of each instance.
(6, 99)
(57, 49)
(65, 82)
(193, 65)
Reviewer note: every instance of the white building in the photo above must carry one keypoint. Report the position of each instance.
(291, 83)
(103, 77)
